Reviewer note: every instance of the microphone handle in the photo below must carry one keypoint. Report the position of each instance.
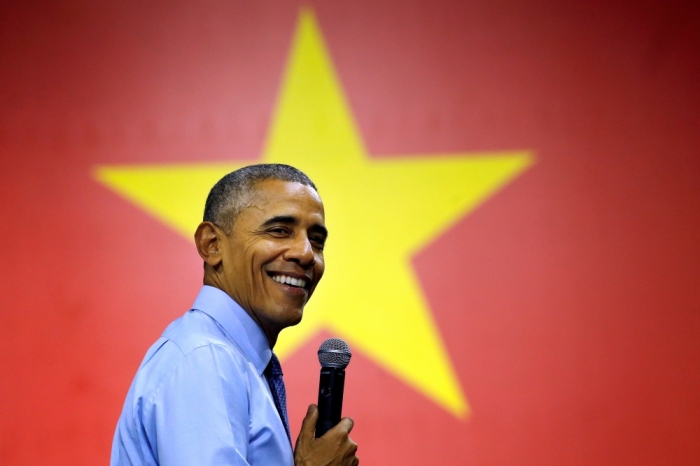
(330, 399)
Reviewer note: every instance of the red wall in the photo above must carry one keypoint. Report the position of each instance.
(569, 303)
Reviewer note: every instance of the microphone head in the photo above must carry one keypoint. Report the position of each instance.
(334, 352)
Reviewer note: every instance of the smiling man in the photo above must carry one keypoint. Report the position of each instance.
(210, 390)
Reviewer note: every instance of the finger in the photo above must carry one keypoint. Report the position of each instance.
(308, 425)
(345, 425)
(351, 460)
(353, 446)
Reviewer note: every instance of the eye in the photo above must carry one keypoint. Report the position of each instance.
(318, 241)
(278, 231)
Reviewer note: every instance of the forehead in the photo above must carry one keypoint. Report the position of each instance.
(276, 197)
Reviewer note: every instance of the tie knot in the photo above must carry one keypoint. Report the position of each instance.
(274, 368)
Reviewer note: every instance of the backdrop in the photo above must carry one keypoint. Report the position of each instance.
(511, 191)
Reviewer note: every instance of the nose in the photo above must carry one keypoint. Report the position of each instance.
(301, 251)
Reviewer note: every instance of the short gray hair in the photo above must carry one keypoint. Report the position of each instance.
(233, 192)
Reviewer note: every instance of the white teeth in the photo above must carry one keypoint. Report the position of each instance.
(289, 280)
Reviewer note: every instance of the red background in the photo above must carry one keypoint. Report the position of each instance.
(569, 302)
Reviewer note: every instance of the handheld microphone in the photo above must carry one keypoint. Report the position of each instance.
(334, 356)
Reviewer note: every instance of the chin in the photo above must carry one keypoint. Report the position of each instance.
(293, 318)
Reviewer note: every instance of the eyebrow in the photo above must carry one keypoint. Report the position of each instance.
(291, 220)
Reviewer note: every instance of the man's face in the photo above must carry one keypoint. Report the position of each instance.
(273, 257)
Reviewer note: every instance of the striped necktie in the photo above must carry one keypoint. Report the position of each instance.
(273, 373)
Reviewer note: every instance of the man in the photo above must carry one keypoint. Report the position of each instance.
(209, 391)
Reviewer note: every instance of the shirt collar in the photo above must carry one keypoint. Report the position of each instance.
(239, 325)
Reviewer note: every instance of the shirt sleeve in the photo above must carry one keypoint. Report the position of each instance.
(201, 412)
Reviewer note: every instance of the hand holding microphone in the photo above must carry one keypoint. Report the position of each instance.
(331, 443)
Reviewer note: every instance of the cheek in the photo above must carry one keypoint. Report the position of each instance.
(260, 255)
(320, 266)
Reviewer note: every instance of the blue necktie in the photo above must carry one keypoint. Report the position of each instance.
(273, 373)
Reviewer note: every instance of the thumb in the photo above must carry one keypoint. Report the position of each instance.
(308, 425)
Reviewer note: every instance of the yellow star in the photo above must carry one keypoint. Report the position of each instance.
(380, 212)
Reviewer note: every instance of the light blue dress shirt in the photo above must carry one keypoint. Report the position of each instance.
(200, 397)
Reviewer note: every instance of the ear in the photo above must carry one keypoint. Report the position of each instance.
(207, 238)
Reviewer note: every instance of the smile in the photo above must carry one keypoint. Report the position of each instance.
(287, 280)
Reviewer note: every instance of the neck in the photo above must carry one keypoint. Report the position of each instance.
(211, 279)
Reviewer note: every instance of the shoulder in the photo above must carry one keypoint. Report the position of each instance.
(196, 329)
(191, 373)
(193, 350)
